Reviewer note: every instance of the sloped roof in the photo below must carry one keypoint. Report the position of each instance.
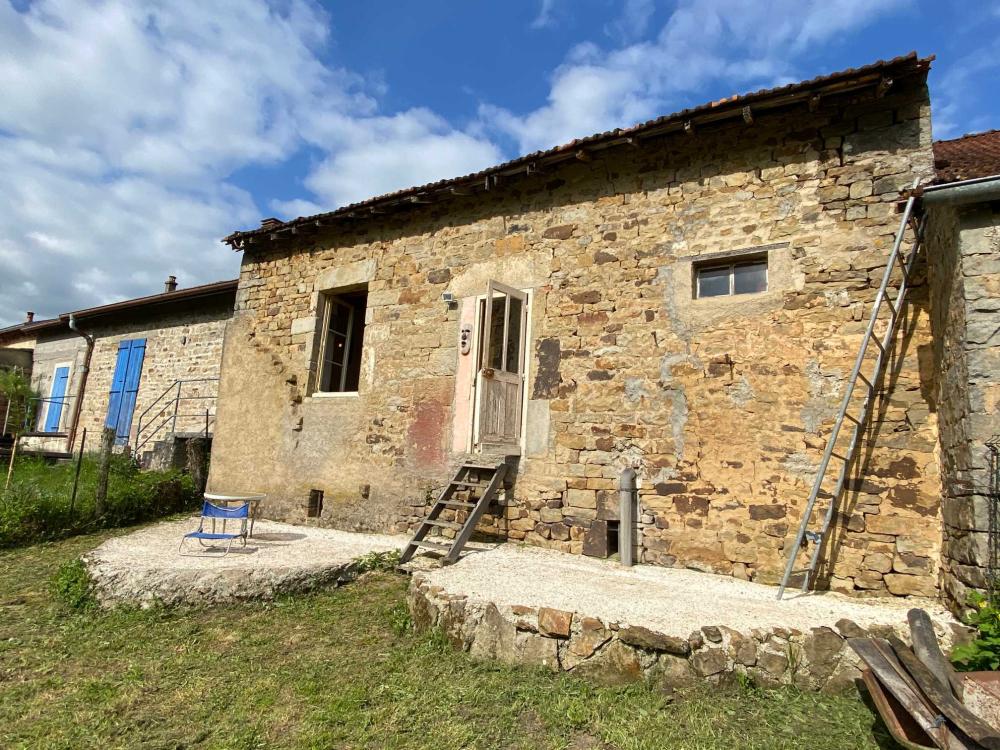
(966, 158)
(190, 293)
(880, 73)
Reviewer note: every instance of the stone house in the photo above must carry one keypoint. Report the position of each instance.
(132, 365)
(685, 297)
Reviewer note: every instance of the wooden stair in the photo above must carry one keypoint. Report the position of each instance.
(477, 481)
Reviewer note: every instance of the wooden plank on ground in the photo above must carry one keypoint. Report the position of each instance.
(901, 725)
(927, 649)
(944, 700)
(892, 676)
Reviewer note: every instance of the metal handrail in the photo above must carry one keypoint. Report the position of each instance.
(178, 386)
(872, 383)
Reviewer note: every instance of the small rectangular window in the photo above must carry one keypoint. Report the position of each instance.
(342, 338)
(744, 276)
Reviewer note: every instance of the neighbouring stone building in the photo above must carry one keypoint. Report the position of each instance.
(132, 365)
(963, 247)
(686, 297)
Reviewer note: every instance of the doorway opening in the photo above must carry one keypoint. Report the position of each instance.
(502, 317)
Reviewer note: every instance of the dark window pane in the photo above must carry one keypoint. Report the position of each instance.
(514, 335)
(341, 358)
(713, 282)
(749, 278)
(495, 358)
(353, 364)
(340, 315)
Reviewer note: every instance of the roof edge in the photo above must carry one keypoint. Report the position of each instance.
(878, 74)
(216, 288)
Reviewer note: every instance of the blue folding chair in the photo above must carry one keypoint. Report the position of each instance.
(215, 512)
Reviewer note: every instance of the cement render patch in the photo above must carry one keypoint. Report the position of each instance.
(671, 601)
(144, 568)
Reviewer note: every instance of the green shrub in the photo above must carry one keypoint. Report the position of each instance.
(382, 561)
(36, 507)
(71, 584)
(400, 619)
(984, 652)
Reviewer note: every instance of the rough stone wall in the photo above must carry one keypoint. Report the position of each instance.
(723, 404)
(181, 344)
(52, 350)
(963, 246)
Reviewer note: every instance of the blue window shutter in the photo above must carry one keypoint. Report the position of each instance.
(133, 373)
(54, 411)
(118, 384)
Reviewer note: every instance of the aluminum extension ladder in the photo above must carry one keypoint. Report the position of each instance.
(872, 384)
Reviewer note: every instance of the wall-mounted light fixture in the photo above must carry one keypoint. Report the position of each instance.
(449, 300)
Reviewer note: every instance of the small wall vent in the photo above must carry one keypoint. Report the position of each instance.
(315, 507)
(613, 527)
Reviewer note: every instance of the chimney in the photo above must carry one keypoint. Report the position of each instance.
(270, 223)
(30, 317)
(170, 285)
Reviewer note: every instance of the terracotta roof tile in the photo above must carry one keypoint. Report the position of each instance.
(966, 158)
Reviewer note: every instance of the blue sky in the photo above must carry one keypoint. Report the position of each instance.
(134, 135)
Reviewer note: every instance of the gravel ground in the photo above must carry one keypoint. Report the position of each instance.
(145, 567)
(669, 600)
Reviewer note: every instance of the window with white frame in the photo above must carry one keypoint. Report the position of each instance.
(742, 275)
(342, 336)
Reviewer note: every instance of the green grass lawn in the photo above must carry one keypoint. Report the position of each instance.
(337, 669)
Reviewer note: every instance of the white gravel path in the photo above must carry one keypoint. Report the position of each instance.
(145, 567)
(273, 545)
(668, 600)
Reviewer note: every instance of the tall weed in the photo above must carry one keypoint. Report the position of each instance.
(37, 506)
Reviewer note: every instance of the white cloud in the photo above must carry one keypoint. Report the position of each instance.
(546, 15)
(633, 21)
(704, 42)
(68, 242)
(382, 154)
(122, 122)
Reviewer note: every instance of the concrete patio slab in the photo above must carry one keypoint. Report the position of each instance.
(575, 613)
(144, 568)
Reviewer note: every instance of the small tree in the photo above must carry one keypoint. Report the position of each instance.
(19, 410)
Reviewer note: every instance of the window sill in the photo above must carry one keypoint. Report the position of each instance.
(335, 394)
(724, 298)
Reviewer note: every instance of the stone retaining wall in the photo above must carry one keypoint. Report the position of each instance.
(613, 652)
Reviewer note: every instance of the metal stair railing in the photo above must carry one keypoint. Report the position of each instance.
(164, 416)
(872, 385)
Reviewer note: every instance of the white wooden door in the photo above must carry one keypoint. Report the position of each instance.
(500, 380)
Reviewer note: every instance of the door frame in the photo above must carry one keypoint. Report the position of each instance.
(44, 415)
(477, 353)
